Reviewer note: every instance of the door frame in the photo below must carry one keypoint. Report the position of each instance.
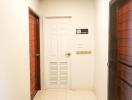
(33, 13)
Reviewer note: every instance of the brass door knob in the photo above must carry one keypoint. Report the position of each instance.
(68, 54)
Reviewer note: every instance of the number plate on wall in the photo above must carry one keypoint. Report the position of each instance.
(81, 31)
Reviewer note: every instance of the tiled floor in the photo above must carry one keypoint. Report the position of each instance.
(62, 94)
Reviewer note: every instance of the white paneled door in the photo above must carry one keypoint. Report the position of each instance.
(58, 52)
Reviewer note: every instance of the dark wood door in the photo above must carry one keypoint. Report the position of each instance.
(120, 50)
(34, 53)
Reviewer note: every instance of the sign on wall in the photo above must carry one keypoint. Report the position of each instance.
(81, 31)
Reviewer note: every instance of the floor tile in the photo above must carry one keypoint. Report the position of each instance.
(62, 94)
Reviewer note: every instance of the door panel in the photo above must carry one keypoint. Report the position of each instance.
(124, 91)
(124, 72)
(34, 53)
(57, 71)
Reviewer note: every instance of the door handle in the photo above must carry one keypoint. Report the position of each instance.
(37, 55)
(108, 64)
(68, 54)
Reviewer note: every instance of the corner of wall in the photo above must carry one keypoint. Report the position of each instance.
(101, 48)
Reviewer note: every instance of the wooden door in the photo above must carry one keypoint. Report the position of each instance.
(58, 48)
(34, 53)
(120, 50)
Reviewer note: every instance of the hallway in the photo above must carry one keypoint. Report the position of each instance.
(66, 50)
(52, 45)
(62, 94)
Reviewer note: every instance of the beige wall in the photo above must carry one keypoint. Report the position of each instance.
(101, 48)
(14, 42)
(34, 4)
(14, 50)
(82, 12)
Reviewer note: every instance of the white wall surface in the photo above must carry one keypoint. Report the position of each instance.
(82, 12)
(101, 38)
(14, 50)
(34, 4)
